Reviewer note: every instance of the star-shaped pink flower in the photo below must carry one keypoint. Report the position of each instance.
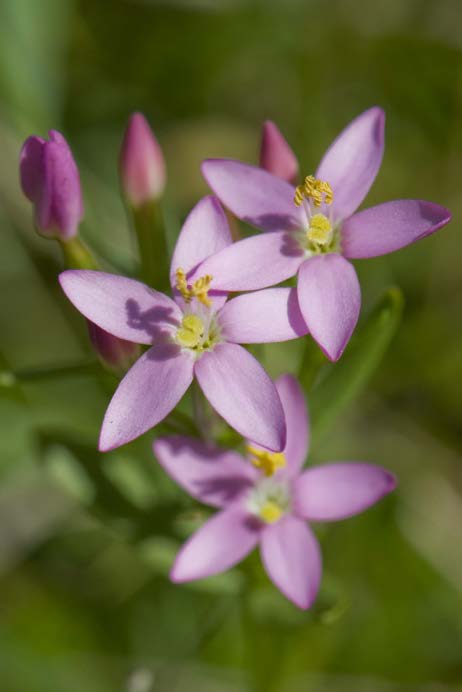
(267, 502)
(314, 229)
(195, 335)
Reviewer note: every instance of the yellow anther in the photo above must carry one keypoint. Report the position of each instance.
(318, 191)
(193, 323)
(271, 512)
(267, 462)
(320, 230)
(199, 289)
(191, 331)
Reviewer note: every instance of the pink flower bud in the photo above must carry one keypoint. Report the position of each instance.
(142, 165)
(117, 354)
(50, 180)
(276, 156)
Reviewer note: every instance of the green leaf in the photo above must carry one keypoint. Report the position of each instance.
(343, 381)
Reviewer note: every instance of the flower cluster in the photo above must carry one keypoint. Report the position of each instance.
(312, 230)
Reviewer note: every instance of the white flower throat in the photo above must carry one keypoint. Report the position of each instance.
(199, 330)
(321, 236)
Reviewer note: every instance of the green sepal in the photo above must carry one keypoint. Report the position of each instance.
(149, 225)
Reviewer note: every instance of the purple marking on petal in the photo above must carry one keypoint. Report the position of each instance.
(223, 541)
(147, 393)
(240, 390)
(212, 475)
(352, 162)
(330, 301)
(391, 226)
(254, 195)
(292, 559)
(124, 307)
(340, 490)
(262, 317)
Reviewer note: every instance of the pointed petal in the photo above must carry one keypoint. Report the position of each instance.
(123, 307)
(254, 195)
(205, 232)
(391, 226)
(223, 541)
(262, 317)
(276, 156)
(212, 475)
(292, 559)
(255, 262)
(330, 300)
(352, 162)
(296, 414)
(240, 390)
(340, 490)
(147, 393)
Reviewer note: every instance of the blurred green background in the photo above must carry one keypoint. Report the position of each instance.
(85, 603)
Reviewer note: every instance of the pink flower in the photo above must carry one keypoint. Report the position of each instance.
(195, 335)
(142, 164)
(50, 180)
(314, 228)
(267, 502)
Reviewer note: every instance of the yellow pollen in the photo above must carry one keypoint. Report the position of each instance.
(199, 289)
(320, 230)
(267, 462)
(271, 512)
(312, 188)
(191, 331)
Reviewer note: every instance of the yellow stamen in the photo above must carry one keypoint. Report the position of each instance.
(320, 230)
(191, 331)
(318, 191)
(199, 289)
(267, 462)
(271, 512)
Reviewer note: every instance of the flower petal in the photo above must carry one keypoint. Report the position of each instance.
(340, 490)
(212, 475)
(297, 422)
(292, 559)
(276, 156)
(254, 195)
(240, 390)
(351, 163)
(147, 393)
(330, 300)
(223, 541)
(262, 317)
(391, 226)
(123, 307)
(255, 262)
(205, 232)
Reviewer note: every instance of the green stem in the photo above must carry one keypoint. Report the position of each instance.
(150, 230)
(312, 362)
(77, 255)
(11, 378)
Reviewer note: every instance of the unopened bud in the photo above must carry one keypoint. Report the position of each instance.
(116, 354)
(50, 180)
(276, 156)
(142, 164)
